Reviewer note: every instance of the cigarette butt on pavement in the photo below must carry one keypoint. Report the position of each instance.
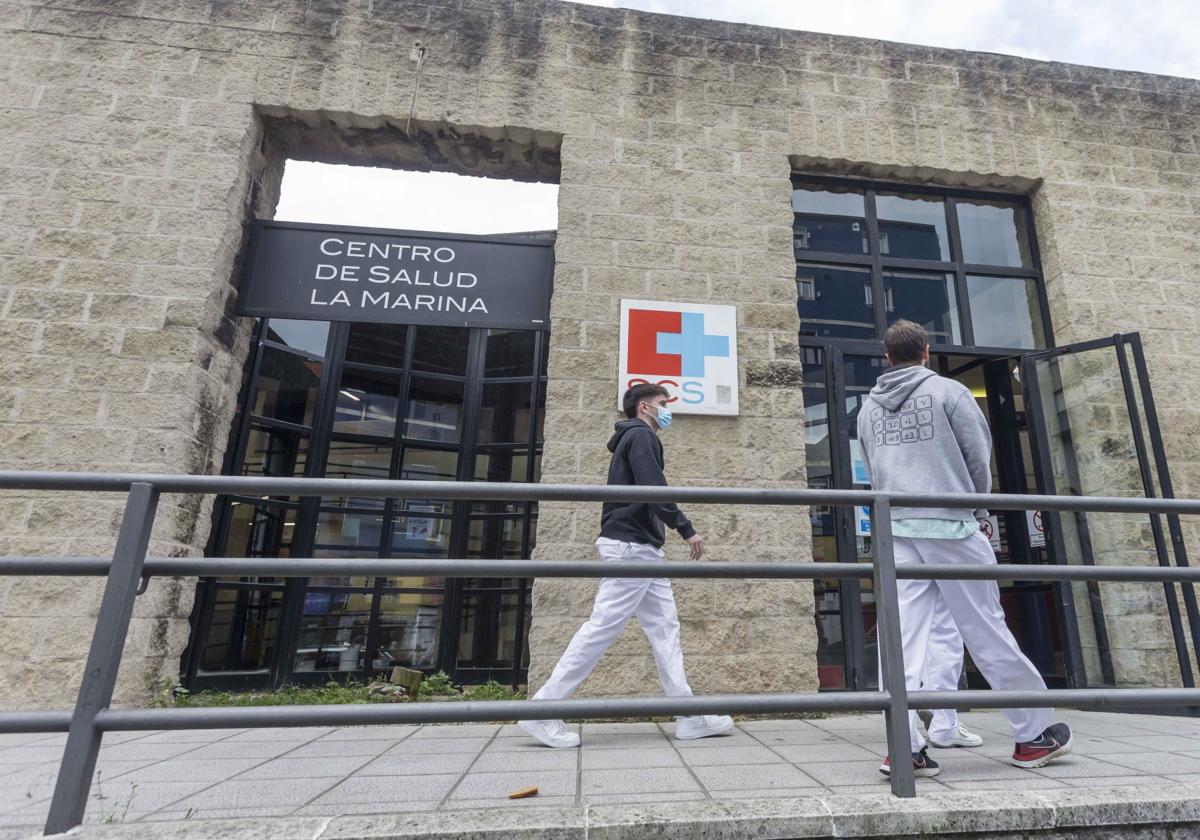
(524, 792)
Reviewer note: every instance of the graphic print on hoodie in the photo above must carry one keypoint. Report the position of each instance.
(924, 433)
(637, 458)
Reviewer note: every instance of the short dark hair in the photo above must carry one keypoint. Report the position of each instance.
(638, 393)
(905, 342)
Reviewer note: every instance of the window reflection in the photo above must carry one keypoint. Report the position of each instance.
(912, 226)
(287, 387)
(367, 404)
(926, 298)
(1005, 312)
(307, 336)
(434, 410)
(835, 301)
(833, 220)
(993, 233)
(377, 344)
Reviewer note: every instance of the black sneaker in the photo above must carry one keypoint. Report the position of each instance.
(923, 765)
(1052, 744)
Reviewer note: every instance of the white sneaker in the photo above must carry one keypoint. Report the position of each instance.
(962, 737)
(702, 726)
(552, 733)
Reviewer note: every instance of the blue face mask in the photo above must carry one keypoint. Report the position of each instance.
(663, 417)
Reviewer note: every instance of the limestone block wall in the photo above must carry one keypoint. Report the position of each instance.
(133, 152)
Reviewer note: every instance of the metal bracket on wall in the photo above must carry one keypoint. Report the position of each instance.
(417, 54)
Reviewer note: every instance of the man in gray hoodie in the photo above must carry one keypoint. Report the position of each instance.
(923, 433)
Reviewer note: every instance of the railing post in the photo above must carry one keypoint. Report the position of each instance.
(891, 651)
(104, 659)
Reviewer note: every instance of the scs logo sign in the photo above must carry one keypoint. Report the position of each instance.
(690, 349)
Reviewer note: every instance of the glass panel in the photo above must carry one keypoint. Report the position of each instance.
(353, 530)
(835, 301)
(504, 413)
(829, 219)
(926, 298)
(441, 350)
(1124, 628)
(496, 536)
(993, 233)
(367, 404)
(423, 532)
(503, 465)
(434, 410)
(1005, 312)
(260, 530)
(509, 353)
(377, 344)
(912, 227)
(287, 387)
(333, 631)
(275, 452)
(242, 631)
(409, 625)
(428, 464)
(487, 636)
(309, 336)
(349, 459)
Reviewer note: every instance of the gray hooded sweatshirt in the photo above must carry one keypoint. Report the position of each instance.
(924, 433)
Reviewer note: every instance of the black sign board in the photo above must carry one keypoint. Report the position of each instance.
(322, 273)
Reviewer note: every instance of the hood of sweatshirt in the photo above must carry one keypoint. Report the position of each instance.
(623, 427)
(897, 384)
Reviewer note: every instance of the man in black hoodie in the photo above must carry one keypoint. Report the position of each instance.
(632, 532)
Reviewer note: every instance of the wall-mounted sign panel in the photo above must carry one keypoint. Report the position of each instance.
(688, 348)
(323, 273)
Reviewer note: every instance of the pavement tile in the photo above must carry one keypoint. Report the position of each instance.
(197, 814)
(653, 780)
(137, 751)
(238, 749)
(1035, 784)
(302, 768)
(1165, 743)
(753, 777)
(247, 793)
(797, 736)
(1152, 783)
(1100, 747)
(283, 733)
(383, 806)
(633, 798)
(539, 801)
(968, 767)
(409, 764)
(545, 760)
(630, 759)
(323, 748)
(116, 796)
(428, 746)
(499, 785)
(212, 770)
(770, 793)
(26, 769)
(189, 736)
(777, 726)
(805, 753)
(622, 742)
(456, 730)
(1082, 766)
(388, 789)
(371, 733)
(30, 754)
(731, 755)
(633, 728)
(844, 772)
(1159, 763)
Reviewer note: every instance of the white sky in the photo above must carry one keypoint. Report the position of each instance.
(1156, 36)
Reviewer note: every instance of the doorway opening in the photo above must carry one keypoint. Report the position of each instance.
(402, 394)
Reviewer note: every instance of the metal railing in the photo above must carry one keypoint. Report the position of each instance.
(92, 716)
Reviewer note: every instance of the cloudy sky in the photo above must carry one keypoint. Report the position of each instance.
(1157, 36)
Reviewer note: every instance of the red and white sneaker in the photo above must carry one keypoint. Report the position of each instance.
(923, 765)
(1052, 744)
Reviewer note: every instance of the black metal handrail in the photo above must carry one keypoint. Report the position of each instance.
(129, 565)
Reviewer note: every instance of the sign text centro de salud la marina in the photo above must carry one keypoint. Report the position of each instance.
(345, 274)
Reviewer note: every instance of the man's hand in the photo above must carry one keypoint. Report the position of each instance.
(696, 546)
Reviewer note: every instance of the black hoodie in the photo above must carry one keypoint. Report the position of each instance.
(637, 458)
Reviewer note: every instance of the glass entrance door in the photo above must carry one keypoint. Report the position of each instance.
(376, 401)
(1096, 433)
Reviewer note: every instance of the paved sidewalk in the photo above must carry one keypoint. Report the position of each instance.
(197, 775)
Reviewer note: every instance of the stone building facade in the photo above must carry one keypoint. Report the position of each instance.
(139, 137)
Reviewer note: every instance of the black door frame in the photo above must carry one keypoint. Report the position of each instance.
(279, 670)
(1144, 427)
(856, 668)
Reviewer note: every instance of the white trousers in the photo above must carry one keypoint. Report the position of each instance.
(618, 600)
(975, 607)
(943, 668)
